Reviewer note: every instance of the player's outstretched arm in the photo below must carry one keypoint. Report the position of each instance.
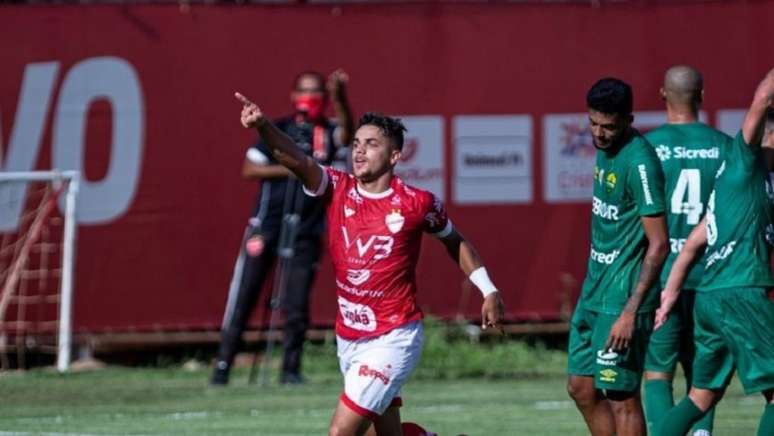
(337, 88)
(656, 231)
(691, 251)
(752, 127)
(282, 147)
(492, 311)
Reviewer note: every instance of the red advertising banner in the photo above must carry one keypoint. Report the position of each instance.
(140, 99)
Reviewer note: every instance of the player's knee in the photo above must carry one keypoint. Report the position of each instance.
(337, 430)
(704, 399)
(623, 403)
(581, 392)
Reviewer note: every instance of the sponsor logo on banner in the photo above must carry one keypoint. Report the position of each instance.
(493, 159)
(422, 159)
(69, 96)
(569, 157)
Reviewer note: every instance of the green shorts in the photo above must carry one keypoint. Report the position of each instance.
(734, 328)
(673, 342)
(615, 371)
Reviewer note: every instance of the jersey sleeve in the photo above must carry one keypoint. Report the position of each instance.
(331, 178)
(646, 183)
(437, 222)
(739, 152)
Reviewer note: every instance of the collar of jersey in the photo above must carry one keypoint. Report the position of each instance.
(374, 196)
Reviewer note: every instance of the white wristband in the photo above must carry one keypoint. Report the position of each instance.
(480, 278)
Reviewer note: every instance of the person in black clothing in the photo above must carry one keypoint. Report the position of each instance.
(280, 197)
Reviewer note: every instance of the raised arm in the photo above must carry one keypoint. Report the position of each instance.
(691, 251)
(252, 171)
(337, 88)
(656, 232)
(753, 125)
(284, 150)
(463, 253)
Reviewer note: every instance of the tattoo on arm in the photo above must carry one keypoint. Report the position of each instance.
(648, 275)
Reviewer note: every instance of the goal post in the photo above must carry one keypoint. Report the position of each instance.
(28, 204)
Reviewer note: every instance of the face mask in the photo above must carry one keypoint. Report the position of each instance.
(312, 105)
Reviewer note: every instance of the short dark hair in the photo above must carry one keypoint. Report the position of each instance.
(392, 128)
(310, 73)
(610, 96)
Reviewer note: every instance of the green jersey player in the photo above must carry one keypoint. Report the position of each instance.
(614, 316)
(733, 315)
(690, 156)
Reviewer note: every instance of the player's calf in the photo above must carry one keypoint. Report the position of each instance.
(627, 412)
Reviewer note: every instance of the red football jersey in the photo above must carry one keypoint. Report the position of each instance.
(374, 242)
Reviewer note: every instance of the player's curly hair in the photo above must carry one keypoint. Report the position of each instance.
(610, 96)
(392, 128)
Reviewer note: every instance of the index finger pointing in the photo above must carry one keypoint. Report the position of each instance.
(242, 99)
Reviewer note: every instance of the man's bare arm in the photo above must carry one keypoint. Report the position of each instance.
(284, 150)
(252, 171)
(656, 232)
(337, 88)
(658, 249)
(689, 254)
(691, 251)
(465, 255)
(462, 252)
(753, 125)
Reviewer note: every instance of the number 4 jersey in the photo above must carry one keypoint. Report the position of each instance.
(690, 155)
(374, 242)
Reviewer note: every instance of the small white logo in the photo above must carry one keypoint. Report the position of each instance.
(358, 276)
(606, 358)
(348, 212)
(394, 221)
(395, 200)
(645, 186)
(607, 355)
(663, 152)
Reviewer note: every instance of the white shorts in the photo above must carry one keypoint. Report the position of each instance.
(374, 369)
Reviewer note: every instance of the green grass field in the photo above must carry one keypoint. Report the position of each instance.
(153, 401)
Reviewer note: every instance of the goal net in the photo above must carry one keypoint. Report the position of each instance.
(37, 250)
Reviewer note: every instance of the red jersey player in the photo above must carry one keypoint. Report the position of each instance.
(375, 226)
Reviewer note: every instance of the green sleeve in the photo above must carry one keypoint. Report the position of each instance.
(646, 183)
(739, 152)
